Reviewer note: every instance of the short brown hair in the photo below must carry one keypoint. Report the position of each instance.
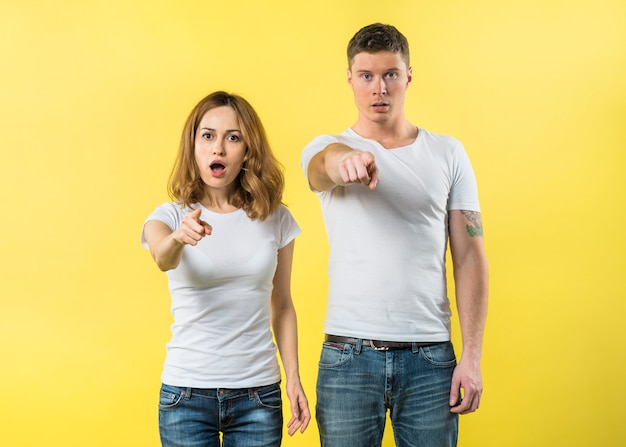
(259, 188)
(378, 37)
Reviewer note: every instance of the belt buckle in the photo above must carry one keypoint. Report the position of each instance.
(378, 348)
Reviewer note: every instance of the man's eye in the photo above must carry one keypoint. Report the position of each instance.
(367, 77)
(392, 75)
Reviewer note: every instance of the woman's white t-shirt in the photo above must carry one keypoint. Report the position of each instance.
(221, 293)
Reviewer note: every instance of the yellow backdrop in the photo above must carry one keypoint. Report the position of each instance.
(93, 96)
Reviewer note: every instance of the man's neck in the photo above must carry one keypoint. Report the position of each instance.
(389, 135)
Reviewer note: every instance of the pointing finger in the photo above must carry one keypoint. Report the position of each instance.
(195, 214)
(208, 229)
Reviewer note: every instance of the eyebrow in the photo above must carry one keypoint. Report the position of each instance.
(213, 130)
(386, 70)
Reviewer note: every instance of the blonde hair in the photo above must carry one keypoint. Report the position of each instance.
(258, 189)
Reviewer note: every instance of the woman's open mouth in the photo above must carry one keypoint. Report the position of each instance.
(217, 168)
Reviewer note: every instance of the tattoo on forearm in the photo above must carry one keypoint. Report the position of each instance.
(475, 223)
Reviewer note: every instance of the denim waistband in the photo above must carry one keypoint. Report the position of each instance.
(188, 392)
(380, 345)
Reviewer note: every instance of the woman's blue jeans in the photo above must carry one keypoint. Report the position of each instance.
(357, 384)
(192, 417)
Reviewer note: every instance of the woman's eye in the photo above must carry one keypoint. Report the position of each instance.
(207, 136)
(233, 138)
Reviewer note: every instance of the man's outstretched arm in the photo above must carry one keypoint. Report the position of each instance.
(340, 165)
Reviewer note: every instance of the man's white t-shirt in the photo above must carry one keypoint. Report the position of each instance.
(387, 275)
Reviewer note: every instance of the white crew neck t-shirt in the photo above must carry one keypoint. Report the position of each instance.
(387, 274)
(221, 293)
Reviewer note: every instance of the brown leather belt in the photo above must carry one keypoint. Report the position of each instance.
(379, 345)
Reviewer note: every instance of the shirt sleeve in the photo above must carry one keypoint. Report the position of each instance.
(318, 144)
(168, 213)
(464, 192)
(288, 227)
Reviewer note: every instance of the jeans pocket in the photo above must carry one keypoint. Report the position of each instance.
(334, 355)
(441, 355)
(170, 397)
(269, 397)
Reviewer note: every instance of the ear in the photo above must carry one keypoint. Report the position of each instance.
(349, 73)
(409, 75)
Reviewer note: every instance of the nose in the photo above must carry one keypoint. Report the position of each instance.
(218, 147)
(381, 87)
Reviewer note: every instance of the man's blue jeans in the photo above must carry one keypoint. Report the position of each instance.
(357, 384)
(192, 417)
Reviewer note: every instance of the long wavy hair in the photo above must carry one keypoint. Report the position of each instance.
(258, 189)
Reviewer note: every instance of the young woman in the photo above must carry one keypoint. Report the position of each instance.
(226, 243)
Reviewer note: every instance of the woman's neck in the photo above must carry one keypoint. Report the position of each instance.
(218, 203)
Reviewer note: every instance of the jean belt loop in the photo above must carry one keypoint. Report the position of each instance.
(187, 393)
(414, 348)
(359, 345)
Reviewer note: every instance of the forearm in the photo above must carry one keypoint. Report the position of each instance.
(323, 172)
(284, 325)
(168, 253)
(165, 245)
(471, 283)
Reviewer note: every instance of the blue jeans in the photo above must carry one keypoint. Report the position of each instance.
(356, 385)
(192, 417)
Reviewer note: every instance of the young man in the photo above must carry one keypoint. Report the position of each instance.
(392, 196)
